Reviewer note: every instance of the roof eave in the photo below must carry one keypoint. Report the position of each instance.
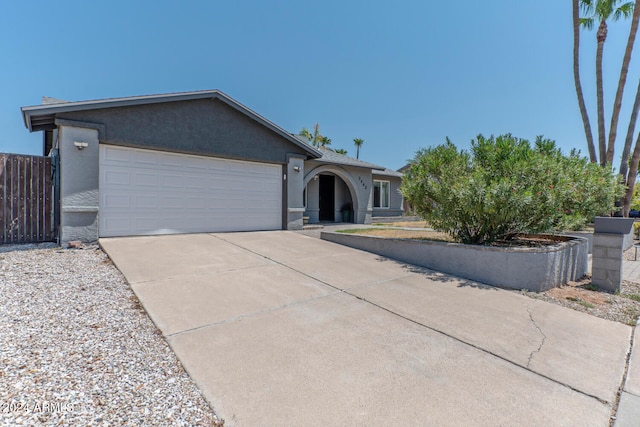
(363, 166)
(47, 113)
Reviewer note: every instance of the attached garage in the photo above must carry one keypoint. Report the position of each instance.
(145, 192)
(187, 162)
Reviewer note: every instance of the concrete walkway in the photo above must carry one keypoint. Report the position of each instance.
(278, 328)
(631, 270)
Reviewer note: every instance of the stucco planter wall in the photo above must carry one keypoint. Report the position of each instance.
(628, 238)
(534, 269)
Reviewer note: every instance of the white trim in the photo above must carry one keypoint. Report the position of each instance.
(79, 209)
(388, 194)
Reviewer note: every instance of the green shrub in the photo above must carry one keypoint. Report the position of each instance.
(635, 199)
(503, 187)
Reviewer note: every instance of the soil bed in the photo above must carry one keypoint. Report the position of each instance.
(392, 233)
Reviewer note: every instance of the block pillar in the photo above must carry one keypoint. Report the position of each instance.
(608, 247)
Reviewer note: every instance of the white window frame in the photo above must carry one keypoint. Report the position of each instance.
(382, 183)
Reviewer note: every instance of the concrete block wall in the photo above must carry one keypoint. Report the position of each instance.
(606, 265)
(534, 269)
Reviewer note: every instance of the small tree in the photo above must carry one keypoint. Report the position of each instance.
(503, 187)
(314, 138)
(358, 143)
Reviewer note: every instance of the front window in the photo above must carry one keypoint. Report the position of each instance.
(380, 194)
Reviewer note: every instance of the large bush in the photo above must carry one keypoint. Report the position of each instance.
(503, 187)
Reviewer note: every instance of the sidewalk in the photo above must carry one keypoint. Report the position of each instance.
(631, 269)
(629, 407)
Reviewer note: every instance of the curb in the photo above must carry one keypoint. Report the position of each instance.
(628, 413)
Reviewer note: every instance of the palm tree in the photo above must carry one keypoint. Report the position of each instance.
(314, 138)
(633, 173)
(629, 178)
(341, 151)
(576, 78)
(617, 104)
(602, 10)
(325, 141)
(358, 143)
(624, 164)
(305, 132)
(316, 135)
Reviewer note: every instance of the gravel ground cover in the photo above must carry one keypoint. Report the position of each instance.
(76, 347)
(582, 295)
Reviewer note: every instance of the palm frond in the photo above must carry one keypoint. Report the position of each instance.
(305, 133)
(586, 7)
(586, 23)
(625, 10)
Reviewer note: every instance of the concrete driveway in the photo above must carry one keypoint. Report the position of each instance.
(278, 328)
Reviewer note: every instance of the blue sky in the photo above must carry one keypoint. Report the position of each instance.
(401, 75)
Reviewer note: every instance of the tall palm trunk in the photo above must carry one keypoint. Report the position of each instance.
(630, 178)
(576, 77)
(617, 104)
(624, 163)
(633, 173)
(601, 36)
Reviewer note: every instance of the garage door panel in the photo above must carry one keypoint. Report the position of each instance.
(145, 179)
(114, 154)
(118, 177)
(146, 192)
(116, 223)
(116, 201)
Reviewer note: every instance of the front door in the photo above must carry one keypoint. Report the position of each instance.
(327, 198)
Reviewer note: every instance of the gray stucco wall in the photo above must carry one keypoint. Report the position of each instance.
(78, 185)
(534, 269)
(357, 181)
(395, 198)
(295, 186)
(206, 127)
(201, 127)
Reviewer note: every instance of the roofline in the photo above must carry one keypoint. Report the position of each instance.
(364, 165)
(29, 113)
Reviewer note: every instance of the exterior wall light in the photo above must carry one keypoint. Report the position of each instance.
(296, 168)
(80, 145)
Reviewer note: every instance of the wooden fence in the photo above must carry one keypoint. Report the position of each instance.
(26, 199)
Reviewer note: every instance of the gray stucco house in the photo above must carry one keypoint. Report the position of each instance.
(196, 162)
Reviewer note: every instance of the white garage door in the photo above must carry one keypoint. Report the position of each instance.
(145, 192)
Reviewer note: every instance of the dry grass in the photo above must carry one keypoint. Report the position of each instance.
(409, 224)
(396, 233)
(393, 233)
(585, 297)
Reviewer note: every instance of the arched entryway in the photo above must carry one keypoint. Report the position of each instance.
(330, 195)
